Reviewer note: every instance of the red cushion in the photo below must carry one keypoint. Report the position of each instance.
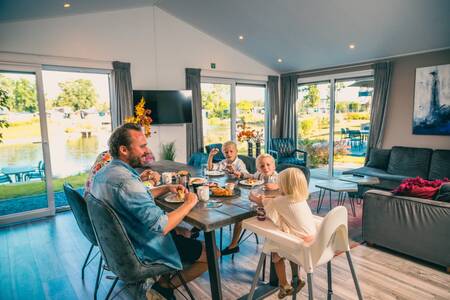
(419, 187)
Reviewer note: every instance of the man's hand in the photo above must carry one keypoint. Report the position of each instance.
(149, 175)
(173, 188)
(191, 199)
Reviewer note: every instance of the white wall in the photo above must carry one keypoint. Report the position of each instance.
(158, 46)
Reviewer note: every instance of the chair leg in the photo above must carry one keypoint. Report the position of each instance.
(112, 288)
(183, 282)
(330, 282)
(255, 278)
(97, 281)
(352, 205)
(263, 277)
(310, 286)
(257, 239)
(85, 262)
(355, 279)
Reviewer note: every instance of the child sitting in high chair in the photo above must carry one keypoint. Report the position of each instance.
(291, 213)
(265, 166)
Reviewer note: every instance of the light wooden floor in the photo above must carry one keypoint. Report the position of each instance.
(42, 260)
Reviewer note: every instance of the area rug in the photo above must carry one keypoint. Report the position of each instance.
(354, 222)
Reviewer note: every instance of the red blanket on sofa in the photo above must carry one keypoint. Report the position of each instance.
(419, 187)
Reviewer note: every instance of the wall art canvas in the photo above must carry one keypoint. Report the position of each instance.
(432, 101)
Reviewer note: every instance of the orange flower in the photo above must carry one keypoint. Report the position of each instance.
(142, 117)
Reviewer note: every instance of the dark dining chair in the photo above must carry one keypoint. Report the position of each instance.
(219, 156)
(284, 151)
(79, 209)
(118, 251)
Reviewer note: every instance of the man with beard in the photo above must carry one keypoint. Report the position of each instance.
(148, 227)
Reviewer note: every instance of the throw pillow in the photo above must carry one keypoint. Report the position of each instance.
(444, 193)
(419, 187)
(379, 158)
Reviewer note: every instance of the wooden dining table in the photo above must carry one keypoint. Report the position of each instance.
(208, 220)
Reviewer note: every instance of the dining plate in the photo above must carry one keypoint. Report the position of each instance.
(197, 180)
(214, 173)
(251, 183)
(236, 193)
(172, 198)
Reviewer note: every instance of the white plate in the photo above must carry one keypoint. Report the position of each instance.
(246, 183)
(203, 180)
(215, 173)
(172, 198)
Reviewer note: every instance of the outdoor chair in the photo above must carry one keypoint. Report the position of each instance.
(5, 178)
(118, 251)
(79, 209)
(355, 137)
(331, 239)
(344, 134)
(219, 156)
(284, 151)
(39, 173)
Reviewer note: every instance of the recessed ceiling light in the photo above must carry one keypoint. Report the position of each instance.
(280, 60)
(352, 46)
(66, 5)
(241, 37)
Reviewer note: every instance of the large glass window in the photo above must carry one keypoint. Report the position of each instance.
(227, 105)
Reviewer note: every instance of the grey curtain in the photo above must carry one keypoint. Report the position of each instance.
(381, 86)
(194, 131)
(274, 124)
(288, 98)
(122, 103)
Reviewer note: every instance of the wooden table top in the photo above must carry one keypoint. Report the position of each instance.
(208, 219)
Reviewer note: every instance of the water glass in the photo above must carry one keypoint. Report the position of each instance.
(203, 193)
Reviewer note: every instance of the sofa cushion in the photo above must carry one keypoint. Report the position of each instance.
(374, 172)
(410, 162)
(444, 193)
(440, 165)
(379, 158)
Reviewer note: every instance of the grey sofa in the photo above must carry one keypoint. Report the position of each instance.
(391, 166)
(413, 226)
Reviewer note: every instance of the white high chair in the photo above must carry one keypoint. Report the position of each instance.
(332, 236)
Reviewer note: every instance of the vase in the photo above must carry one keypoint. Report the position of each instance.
(250, 149)
(258, 149)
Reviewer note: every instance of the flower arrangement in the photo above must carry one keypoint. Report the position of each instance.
(259, 136)
(142, 117)
(246, 134)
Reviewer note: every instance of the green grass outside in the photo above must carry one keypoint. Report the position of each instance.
(8, 191)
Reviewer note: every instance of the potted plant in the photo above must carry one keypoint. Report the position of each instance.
(168, 151)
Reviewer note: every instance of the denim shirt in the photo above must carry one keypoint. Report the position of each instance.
(119, 185)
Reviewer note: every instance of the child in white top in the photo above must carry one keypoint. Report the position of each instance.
(291, 213)
(265, 165)
(232, 164)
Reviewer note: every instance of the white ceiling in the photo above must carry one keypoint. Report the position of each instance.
(306, 34)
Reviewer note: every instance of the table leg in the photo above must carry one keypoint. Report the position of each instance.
(319, 203)
(213, 267)
(331, 206)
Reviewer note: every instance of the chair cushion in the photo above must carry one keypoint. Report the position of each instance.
(379, 158)
(440, 165)
(444, 193)
(408, 161)
(219, 156)
(291, 160)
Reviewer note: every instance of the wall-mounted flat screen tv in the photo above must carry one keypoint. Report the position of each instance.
(168, 107)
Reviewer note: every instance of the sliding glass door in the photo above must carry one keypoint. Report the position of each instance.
(227, 104)
(24, 153)
(334, 108)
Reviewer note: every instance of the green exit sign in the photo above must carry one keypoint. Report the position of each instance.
(213, 65)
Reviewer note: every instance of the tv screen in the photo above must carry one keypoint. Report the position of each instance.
(168, 107)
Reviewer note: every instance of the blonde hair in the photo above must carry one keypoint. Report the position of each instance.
(261, 157)
(293, 183)
(228, 144)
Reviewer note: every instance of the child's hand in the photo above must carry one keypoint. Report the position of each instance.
(270, 186)
(213, 152)
(257, 198)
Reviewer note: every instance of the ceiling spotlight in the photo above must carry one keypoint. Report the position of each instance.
(352, 46)
(66, 5)
(241, 37)
(280, 60)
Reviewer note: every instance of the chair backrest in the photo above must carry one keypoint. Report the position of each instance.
(198, 159)
(305, 170)
(284, 146)
(219, 156)
(116, 248)
(80, 212)
(250, 163)
(5, 178)
(332, 236)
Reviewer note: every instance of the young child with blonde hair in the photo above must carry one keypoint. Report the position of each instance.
(265, 166)
(232, 163)
(291, 213)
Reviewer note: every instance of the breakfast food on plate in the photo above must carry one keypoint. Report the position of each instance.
(148, 183)
(213, 184)
(251, 181)
(183, 173)
(180, 194)
(221, 192)
(198, 181)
